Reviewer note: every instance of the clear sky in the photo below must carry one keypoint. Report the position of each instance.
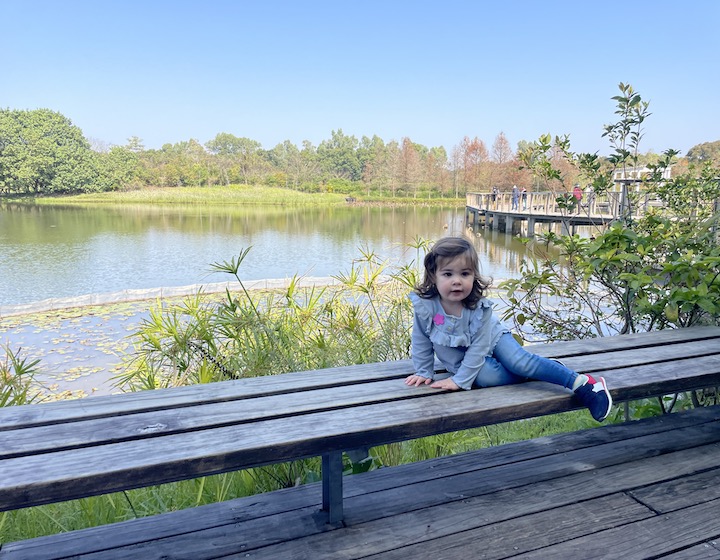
(273, 70)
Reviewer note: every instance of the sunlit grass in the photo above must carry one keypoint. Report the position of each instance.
(232, 194)
(236, 195)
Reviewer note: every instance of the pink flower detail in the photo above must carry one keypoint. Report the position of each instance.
(439, 319)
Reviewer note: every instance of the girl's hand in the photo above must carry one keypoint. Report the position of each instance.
(417, 380)
(445, 384)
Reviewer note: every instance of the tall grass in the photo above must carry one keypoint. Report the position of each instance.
(365, 317)
(17, 376)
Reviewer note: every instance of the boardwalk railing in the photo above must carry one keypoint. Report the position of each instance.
(606, 206)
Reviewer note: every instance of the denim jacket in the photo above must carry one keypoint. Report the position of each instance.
(460, 344)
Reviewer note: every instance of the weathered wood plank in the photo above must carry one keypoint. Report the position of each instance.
(664, 354)
(507, 538)
(636, 340)
(154, 424)
(650, 538)
(116, 405)
(680, 493)
(173, 457)
(308, 497)
(420, 514)
(650, 380)
(704, 551)
(178, 397)
(660, 378)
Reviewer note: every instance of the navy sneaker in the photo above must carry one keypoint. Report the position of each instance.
(595, 396)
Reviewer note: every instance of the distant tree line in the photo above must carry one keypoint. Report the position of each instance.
(43, 153)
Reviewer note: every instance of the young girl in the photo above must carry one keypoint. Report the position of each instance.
(455, 323)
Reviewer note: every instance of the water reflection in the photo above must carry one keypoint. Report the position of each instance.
(56, 252)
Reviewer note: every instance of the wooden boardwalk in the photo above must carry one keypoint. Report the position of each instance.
(644, 489)
(499, 212)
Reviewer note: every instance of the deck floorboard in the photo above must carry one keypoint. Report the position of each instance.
(647, 489)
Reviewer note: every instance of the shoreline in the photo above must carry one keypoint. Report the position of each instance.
(143, 294)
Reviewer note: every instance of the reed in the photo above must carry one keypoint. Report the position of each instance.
(17, 375)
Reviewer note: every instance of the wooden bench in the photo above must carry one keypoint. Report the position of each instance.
(73, 449)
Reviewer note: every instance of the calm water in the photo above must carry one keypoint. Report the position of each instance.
(64, 252)
(51, 253)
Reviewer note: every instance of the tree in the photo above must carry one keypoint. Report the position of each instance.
(233, 152)
(299, 166)
(502, 157)
(338, 157)
(135, 144)
(117, 168)
(707, 151)
(659, 271)
(473, 157)
(374, 158)
(42, 152)
(410, 165)
(436, 166)
(501, 151)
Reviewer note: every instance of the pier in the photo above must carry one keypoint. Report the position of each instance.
(497, 211)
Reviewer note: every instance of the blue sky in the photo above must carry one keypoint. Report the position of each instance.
(435, 72)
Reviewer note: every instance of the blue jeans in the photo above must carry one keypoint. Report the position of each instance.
(510, 363)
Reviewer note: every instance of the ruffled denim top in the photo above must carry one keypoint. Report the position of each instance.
(460, 344)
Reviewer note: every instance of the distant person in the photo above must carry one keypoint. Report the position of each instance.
(589, 197)
(454, 322)
(495, 193)
(515, 197)
(578, 194)
(523, 195)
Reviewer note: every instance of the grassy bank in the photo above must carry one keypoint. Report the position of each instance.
(233, 194)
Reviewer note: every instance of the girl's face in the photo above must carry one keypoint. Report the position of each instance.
(454, 279)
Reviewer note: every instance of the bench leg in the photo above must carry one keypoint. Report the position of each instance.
(332, 486)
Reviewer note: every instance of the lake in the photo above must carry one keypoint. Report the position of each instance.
(50, 257)
(65, 252)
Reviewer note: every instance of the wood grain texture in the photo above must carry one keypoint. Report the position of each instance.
(549, 499)
(74, 449)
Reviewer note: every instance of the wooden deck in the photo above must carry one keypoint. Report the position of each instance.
(500, 213)
(645, 489)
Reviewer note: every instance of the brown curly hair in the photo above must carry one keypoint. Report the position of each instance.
(447, 249)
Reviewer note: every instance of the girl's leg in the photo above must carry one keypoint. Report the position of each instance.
(493, 373)
(593, 393)
(521, 363)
